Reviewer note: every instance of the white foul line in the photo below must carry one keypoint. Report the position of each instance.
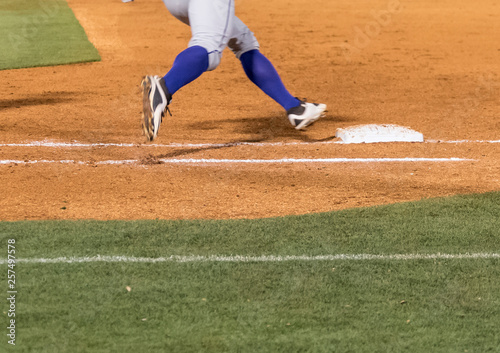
(263, 258)
(233, 161)
(67, 161)
(169, 145)
(309, 160)
(76, 144)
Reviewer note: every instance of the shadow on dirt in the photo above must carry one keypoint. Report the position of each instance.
(156, 159)
(49, 98)
(259, 130)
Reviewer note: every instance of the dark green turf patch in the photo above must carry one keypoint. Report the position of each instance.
(454, 225)
(41, 33)
(380, 306)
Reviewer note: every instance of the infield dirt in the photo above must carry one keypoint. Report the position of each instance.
(431, 66)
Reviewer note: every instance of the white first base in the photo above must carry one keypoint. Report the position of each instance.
(373, 133)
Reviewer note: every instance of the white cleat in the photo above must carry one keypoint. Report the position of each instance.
(155, 101)
(305, 114)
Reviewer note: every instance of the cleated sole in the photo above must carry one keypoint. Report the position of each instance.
(147, 122)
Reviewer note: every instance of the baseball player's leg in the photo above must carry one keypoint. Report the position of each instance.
(263, 74)
(210, 23)
(257, 67)
(156, 95)
(190, 63)
(188, 66)
(179, 9)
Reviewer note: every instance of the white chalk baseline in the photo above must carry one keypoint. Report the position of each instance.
(208, 161)
(262, 258)
(75, 144)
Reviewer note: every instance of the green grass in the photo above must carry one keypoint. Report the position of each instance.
(41, 33)
(450, 305)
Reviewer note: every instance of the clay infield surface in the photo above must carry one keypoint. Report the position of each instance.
(429, 65)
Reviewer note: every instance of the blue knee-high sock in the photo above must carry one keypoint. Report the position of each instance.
(188, 66)
(261, 72)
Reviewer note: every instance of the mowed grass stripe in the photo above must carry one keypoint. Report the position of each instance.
(455, 225)
(41, 33)
(340, 306)
(269, 258)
